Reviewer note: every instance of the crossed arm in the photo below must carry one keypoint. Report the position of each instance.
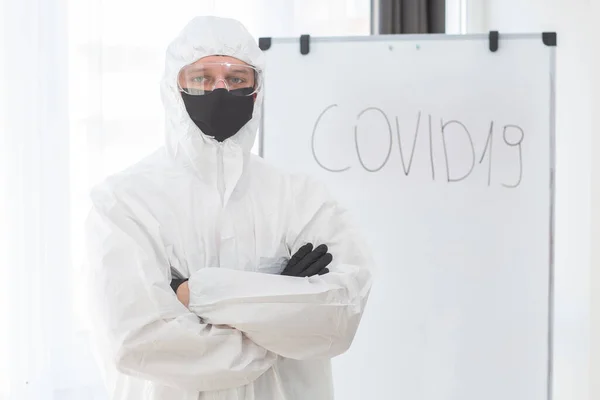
(237, 323)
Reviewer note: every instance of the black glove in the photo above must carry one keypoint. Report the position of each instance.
(175, 283)
(309, 262)
(178, 279)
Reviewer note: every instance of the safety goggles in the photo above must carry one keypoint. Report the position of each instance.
(202, 78)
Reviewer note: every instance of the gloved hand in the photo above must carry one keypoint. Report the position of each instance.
(309, 262)
(180, 287)
(175, 283)
(177, 280)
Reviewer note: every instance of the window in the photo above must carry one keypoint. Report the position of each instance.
(466, 16)
(456, 16)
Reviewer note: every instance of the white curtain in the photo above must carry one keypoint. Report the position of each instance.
(37, 339)
(79, 99)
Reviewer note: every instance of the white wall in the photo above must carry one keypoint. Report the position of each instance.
(576, 179)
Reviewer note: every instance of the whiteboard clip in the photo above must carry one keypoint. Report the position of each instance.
(549, 38)
(304, 44)
(264, 43)
(493, 41)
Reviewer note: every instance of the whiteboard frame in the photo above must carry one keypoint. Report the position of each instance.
(552, 166)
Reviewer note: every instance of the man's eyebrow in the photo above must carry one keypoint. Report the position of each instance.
(241, 70)
(196, 69)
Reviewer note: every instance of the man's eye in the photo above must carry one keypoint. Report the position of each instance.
(237, 81)
(198, 79)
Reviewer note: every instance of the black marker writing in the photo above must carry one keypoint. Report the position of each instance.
(356, 140)
(488, 144)
(412, 153)
(444, 126)
(431, 149)
(517, 144)
(452, 135)
(314, 132)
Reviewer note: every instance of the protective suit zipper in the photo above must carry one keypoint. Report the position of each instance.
(221, 188)
(220, 173)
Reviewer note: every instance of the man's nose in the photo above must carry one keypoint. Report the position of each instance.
(220, 84)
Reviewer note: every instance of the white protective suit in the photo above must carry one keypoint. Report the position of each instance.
(228, 221)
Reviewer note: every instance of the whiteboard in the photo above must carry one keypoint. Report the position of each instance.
(443, 152)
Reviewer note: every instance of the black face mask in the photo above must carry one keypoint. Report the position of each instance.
(220, 113)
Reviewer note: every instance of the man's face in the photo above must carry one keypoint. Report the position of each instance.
(216, 72)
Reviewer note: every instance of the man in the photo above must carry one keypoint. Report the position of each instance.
(212, 275)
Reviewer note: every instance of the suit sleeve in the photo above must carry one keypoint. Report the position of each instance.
(299, 318)
(138, 322)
